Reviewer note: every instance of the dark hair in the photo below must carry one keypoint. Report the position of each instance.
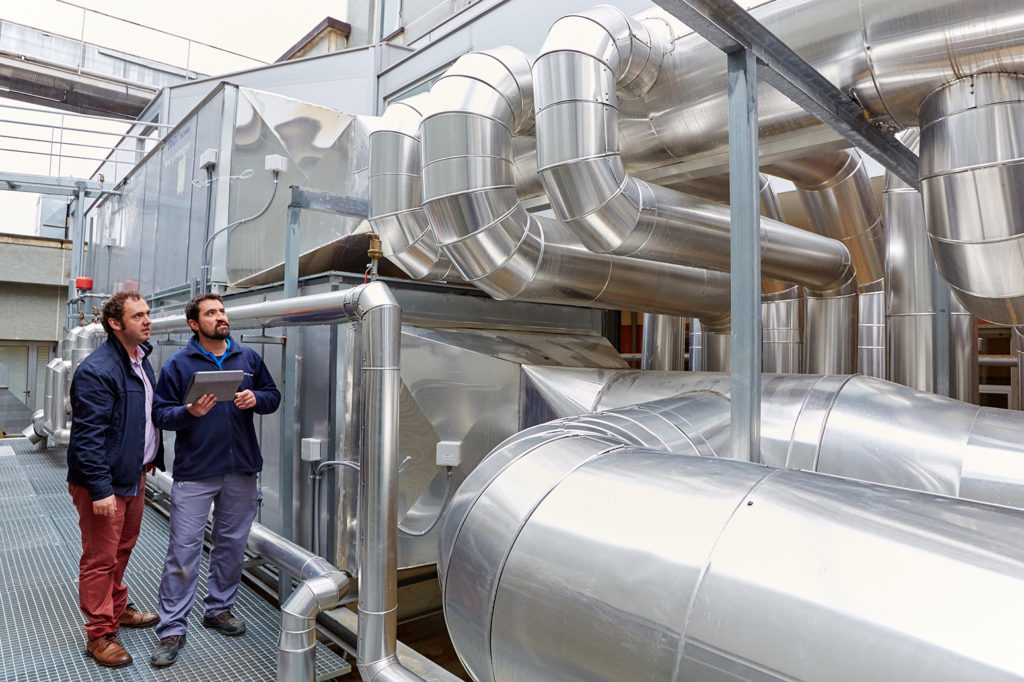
(192, 307)
(113, 309)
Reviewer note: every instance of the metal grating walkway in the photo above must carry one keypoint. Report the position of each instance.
(41, 635)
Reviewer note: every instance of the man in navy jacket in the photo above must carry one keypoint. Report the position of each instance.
(113, 443)
(216, 461)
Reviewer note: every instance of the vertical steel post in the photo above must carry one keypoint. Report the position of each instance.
(745, 257)
(290, 393)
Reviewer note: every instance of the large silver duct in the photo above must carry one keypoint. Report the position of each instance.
(470, 199)
(919, 303)
(561, 560)
(396, 211)
(825, 424)
(888, 55)
(664, 343)
(836, 194)
(972, 201)
(587, 63)
(375, 307)
(782, 304)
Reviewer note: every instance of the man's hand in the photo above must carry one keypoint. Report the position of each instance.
(150, 469)
(245, 400)
(202, 406)
(105, 507)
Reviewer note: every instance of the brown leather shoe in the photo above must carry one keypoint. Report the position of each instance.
(108, 652)
(133, 618)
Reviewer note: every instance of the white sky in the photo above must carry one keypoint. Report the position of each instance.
(260, 29)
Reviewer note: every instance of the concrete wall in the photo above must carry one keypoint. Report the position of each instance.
(33, 287)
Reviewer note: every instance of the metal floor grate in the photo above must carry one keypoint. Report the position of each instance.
(41, 635)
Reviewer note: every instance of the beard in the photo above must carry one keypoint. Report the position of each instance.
(221, 332)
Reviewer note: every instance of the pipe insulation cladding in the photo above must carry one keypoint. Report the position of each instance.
(575, 556)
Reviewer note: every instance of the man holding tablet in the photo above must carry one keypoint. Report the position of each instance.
(216, 461)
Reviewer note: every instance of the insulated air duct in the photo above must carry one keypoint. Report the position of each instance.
(822, 424)
(396, 211)
(971, 191)
(921, 309)
(572, 556)
(470, 200)
(587, 63)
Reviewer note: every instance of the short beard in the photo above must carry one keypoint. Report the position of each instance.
(219, 333)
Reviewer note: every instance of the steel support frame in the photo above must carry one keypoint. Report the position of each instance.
(744, 258)
(303, 198)
(729, 27)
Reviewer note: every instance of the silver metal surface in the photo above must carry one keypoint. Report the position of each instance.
(730, 28)
(914, 48)
(830, 343)
(396, 187)
(828, 424)
(744, 259)
(476, 216)
(585, 59)
(664, 343)
(972, 217)
(752, 592)
(837, 196)
(919, 303)
(871, 332)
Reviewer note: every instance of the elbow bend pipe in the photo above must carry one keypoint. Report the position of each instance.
(396, 211)
(612, 212)
(471, 204)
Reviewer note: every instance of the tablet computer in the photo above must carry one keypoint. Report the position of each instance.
(222, 384)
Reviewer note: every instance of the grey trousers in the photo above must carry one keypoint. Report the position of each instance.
(235, 498)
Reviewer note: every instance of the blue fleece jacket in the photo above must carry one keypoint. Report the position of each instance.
(108, 422)
(223, 441)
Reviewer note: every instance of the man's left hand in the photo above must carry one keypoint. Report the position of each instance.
(245, 400)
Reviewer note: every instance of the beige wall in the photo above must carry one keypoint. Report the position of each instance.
(33, 288)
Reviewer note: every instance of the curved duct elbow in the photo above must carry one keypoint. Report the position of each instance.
(396, 210)
(836, 193)
(470, 199)
(973, 210)
(612, 212)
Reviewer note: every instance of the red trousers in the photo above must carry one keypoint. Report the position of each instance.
(107, 543)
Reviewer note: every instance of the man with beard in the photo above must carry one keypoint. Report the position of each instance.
(216, 461)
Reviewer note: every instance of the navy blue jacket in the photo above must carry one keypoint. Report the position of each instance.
(108, 422)
(222, 441)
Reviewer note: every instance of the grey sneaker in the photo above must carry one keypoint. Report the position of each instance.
(166, 651)
(225, 623)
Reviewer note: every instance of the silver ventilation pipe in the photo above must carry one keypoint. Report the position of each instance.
(888, 55)
(783, 575)
(918, 301)
(971, 202)
(375, 307)
(664, 343)
(782, 308)
(397, 211)
(818, 424)
(470, 199)
(321, 588)
(611, 56)
(871, 351)
(836, 194)
(782, 304)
